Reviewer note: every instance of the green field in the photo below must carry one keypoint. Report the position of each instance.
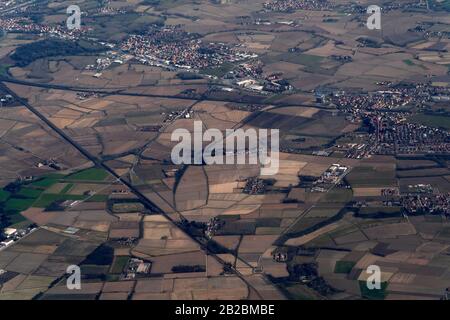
(32, 194)
(436, 121)
(18, 204)
(375, 294)
(119, 264)
(29, 193)
(4, 195)
(91, 174)
(344, 266)
(16, 219)
(13, 204)
(4, 69)
(66, 188)
(47, 181)
(408, 62)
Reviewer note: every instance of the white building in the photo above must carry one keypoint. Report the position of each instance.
(7, 242)
(8, 232)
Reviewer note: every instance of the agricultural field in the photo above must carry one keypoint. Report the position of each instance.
(88, 120)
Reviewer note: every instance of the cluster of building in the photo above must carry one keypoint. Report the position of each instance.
(342, 58)
(100, 64)
(418, 199)
(127, 242)
(292, 5)
(389, 192)
(254, 185)
(266, 22)
(332, 176)
(357, 150)
(420, 188)
(251, 69)
(136, 267)
(396, 97)
(428, 32)
(6, 100)
(108, 10)
(110, 57)
(212, 226)
(396, 136)
(12, 235)
(174, 115)
(325, 5)
(67, 203)
(273, 83)
(380, 100)
(49, 163)
(280, 256)
(86, 95)
(356, 8)
(25, 25)
(427, 203)
(276, 84)
(391, 133)
(246, 107)
(173, 47)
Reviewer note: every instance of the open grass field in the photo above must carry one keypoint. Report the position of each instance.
(67, 188)
(4, 68)
(18, 204)
(47, 181)
(29, 193)
(344, 266)
(436, 121)
(92, 174)
(375, 294)
(4, 195)
(119, 264)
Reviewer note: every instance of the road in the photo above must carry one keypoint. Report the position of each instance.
(149, 95)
